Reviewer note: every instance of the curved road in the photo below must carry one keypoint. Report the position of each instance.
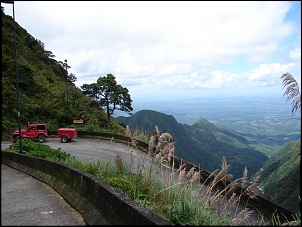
(94, 150)
(26, 201)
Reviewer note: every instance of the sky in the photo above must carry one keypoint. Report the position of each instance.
(171, 50)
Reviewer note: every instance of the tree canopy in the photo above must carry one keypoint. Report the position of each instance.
(110, 95)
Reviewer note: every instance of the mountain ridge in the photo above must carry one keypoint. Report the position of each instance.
(198, 143)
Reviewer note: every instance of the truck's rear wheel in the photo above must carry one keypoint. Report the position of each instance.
(41, 138)
(64, 139)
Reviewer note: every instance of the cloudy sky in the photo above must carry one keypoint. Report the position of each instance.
(171, 50)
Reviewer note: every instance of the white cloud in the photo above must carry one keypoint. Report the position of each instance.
(267, 75)
(295, 54)
(264, 75)
(178, 44)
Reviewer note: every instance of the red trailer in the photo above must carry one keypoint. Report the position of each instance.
(66, 134)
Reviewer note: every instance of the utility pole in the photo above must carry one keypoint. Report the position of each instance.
(17, 79)
(67, 93)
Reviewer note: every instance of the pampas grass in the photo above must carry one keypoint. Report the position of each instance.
(292, 91)
(181, 195)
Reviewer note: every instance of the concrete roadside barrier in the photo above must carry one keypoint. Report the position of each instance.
(98, 202)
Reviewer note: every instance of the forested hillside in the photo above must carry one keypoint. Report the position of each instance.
(42, 85)
(202, 144)
(280, 176)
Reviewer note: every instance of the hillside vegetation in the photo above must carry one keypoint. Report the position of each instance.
(281, 176)
(42, 85)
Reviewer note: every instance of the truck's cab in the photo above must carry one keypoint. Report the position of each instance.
(35, 130)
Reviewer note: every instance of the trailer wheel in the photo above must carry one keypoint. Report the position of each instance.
(41, 138)
(64, 139)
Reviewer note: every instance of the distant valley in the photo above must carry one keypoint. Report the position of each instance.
(265, 120)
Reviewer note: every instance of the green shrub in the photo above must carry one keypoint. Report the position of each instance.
(122, 184)
(37, 149)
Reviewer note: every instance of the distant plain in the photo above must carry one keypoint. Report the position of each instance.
(268, 118)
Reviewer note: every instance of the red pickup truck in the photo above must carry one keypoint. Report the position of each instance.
(39, 131)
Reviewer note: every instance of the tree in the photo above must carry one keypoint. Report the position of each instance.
(292, 91)
(71, 78)
(110, 95)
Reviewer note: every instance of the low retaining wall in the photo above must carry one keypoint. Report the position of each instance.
(98, 202)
